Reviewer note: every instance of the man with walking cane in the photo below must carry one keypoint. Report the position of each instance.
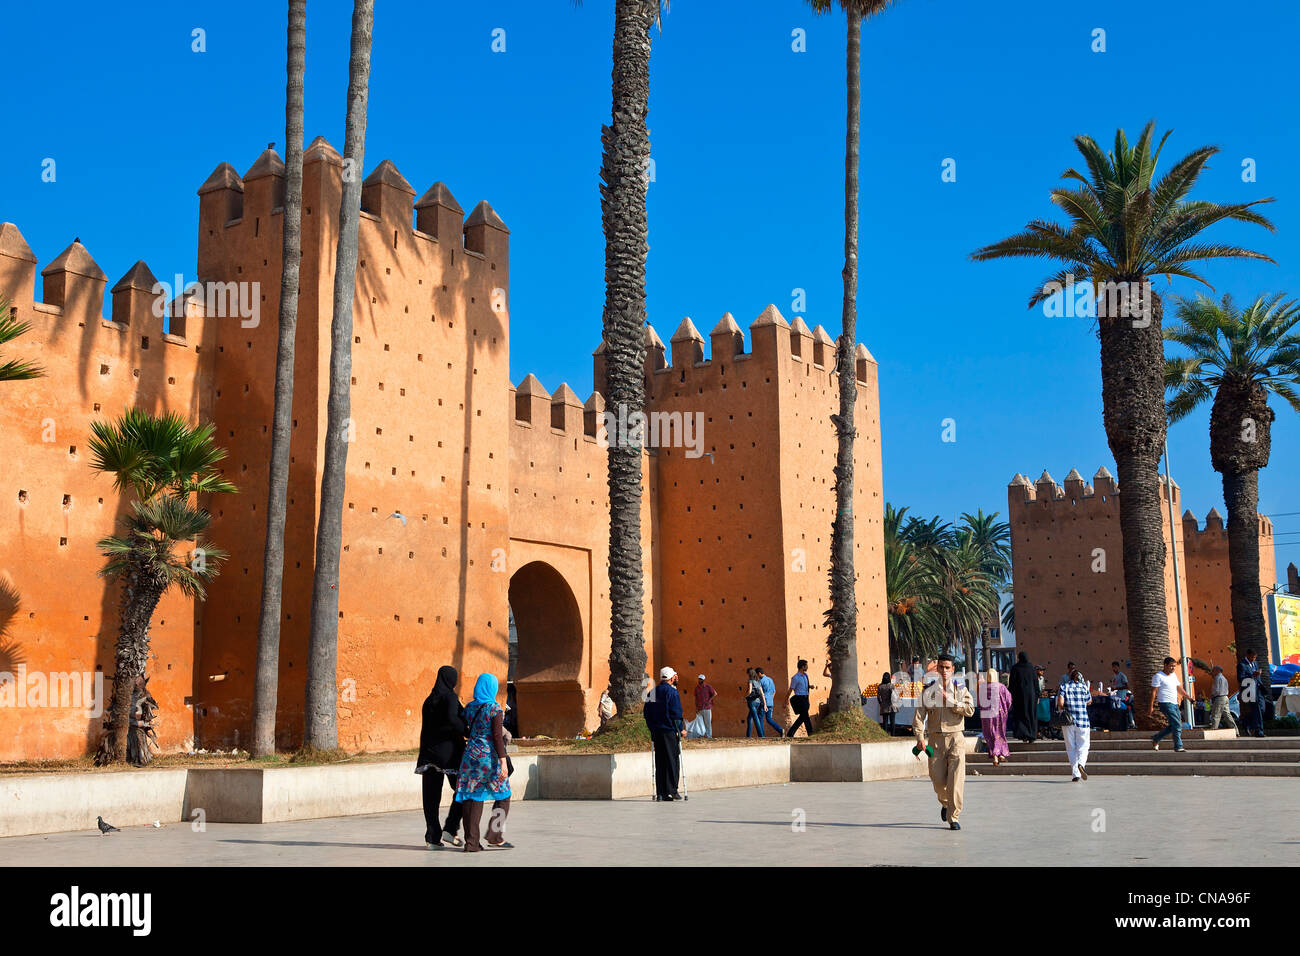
(663, 715)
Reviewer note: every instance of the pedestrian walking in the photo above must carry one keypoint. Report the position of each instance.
(995, 706)
(485, 768)
(887, 698)
(704, 694)
(1250, 694)
(1073, 697)
(1219, 700)
(755, 703)
(799, 702)
(663, 717)
(941, 713)
(769, 696)
(1119, 682)
(1169, 695)
(442, 744)
(1023, 686)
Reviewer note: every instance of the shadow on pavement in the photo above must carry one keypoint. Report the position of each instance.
(353, 846)
(810, 823)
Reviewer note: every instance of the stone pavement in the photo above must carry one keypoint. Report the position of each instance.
(1013, 821)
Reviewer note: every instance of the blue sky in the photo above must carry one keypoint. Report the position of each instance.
(747, 138)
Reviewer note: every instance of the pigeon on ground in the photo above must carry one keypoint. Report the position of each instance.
(106, 827)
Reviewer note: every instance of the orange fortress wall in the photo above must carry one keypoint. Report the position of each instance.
(467, 498)
(1068, 608)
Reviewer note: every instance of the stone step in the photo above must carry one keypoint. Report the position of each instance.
(1147, 769)
(1201, 733)
(1192, 754)
(1108, 742)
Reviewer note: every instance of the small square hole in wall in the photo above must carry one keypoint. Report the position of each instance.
(67, 501)
(22, 495)
(386, 347)
(63, 542)
(97, 406)
(144, 341)
(103, 370)
(171, 380)
(72, 450)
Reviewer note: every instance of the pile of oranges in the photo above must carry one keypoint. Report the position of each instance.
(907, 688)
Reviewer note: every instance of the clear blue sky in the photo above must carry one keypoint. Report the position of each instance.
(746, 206)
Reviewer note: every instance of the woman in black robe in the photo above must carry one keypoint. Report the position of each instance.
(1022, 722)
(442, 744)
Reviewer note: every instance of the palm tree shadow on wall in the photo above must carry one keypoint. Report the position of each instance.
(491, 325)
(11, 652)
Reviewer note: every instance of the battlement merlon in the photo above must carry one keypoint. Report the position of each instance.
(1021, 491)
(774, 342)
(563, 412)
(1214, 524)
(73, 287)
(227, 201)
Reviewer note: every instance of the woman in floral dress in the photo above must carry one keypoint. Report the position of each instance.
(995, 704)
(484, 773)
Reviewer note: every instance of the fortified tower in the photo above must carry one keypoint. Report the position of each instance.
(1068, 576)
(427, 467)
(744, 517)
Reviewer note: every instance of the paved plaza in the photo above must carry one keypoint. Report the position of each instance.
(1014, 821)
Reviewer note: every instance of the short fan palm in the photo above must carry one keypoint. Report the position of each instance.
(166, 464)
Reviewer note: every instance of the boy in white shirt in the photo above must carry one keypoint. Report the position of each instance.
(1169, 694)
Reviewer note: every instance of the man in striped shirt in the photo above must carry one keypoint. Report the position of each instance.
(1073, 697)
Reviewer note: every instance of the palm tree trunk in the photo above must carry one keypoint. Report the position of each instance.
(624, 175)
(322, 654)
(1241, 495)
(1132, 391)
(266, 685)
(842, 642)
(141, 592)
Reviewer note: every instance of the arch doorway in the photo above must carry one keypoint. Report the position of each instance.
(545, 653)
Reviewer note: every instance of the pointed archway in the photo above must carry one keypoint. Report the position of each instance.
(547, 654)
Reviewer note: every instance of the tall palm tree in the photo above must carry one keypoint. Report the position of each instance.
(1124, 230)
(842, 615)
(1238, 358)
(624, 174)
(266, 686)
(322, 729)
(10, 329)
(167, 464)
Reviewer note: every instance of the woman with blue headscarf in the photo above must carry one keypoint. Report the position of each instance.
(484, 770)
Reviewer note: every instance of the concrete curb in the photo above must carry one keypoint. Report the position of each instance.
(49, 803)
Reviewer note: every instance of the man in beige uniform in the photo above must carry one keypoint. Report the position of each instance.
(941, 715)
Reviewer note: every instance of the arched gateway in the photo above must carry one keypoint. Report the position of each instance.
(548, 661)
